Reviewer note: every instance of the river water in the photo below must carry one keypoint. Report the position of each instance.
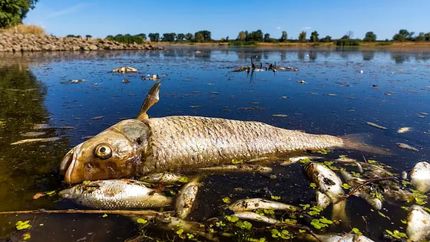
(342, 90)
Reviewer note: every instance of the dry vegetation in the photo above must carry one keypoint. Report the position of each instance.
(25, 29)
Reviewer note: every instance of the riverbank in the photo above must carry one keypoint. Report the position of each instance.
(20, 42)
(406, 45)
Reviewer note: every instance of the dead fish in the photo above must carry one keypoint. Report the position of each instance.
(97, 117)
(418, 228)
(256, 217)
(349, 237)
(296, 159)
(259, 203)
(238, 168)
(191, 227)
(420, 176)
(35, 140)
(330, 185)
(135, 147)
(365, 192)
(407, 147)
(165, 178)
(376, 125)
(279, 115)
(116, 194)
(186, 198)
(404, 130)
(346, 159)
(125, 69)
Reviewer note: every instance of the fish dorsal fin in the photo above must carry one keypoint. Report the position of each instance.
(150, 100)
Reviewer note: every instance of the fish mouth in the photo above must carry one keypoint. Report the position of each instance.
(68, 165)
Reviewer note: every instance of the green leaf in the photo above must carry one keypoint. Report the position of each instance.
(226, 200)
(51, 193)
(312, 185)
(183, 179)
(244, 225)
(232, 219)
(372, 161)
(325, 220)
(141, 221)
(396, 234)
(22, 225)
(275, 197)
(315, 210)
(356, 231)
(26, 236)
(235, 162)
(346, 186)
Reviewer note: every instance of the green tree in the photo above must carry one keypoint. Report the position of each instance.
(188, 36)
(13, 11)
(420, 37)
(267, 37)
(327, 38)
(168, 37)
(202, 36)
(255, 36)
(314, 36)
(180, 37)
(154, 37)
(302, 36)
(284, 36)
(403, 35)
(370, 37)
(242, 35)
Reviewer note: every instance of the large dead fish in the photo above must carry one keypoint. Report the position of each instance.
(420, 176)
(145, 145)
(116, 194)
(418, 228)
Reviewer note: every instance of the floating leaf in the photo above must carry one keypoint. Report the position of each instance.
(104, 216)
(396, 234)
(356, 231)
(312, 185)
(305, 160)
(346, 186)
(26, 236)
(141, 221)
(183, 179)
(220, 224)
(226, 200)
(322, 151)
(315, 210)
(232, 219)
(51, 193)
(305, 206)
(283, 234)
(275, 197)
(372, 161)
(21, 225)
(244, 225)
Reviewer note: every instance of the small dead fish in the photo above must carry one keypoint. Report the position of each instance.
(346, 159)
(186, 198)
(407, 147)
(97, 117)
(376, 125)
(239, 168)
(125, 69)
(403, 130)
(26, 141)
(420, 176)
(326, 180)
(279, 115)
(349, 237)
(259, 203)
(256, 217)
(165, 178)
(418, 228)
(296, 159)
(116, 194)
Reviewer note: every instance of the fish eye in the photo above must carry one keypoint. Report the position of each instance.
(103, 151)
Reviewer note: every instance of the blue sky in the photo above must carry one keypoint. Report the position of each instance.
(228, 17)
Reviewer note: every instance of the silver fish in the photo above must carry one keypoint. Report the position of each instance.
(420, 176)
(259, 203)
(418, 228)
(256, 217)
(407, 147)
(116, 194)
(186, 198)
(136, 147)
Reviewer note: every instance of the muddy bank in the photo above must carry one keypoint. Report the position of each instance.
(16, 42)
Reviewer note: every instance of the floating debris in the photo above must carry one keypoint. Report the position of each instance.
(35, 140)
(125, 81)
(404, 130)
(302, 82)
(376, 125)
(407, 147)
(186, 198)
(33, 134)
(418, 224)
(420, 176)
(116, 194)
(97, 117)
(279, 115)
(125, 69)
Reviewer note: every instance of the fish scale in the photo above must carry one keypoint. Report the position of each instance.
(187, 141)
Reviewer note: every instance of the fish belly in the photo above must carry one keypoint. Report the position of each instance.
(179, 142)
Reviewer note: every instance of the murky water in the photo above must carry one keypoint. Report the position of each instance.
(342, 91)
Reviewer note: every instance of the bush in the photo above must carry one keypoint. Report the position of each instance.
(26, 29)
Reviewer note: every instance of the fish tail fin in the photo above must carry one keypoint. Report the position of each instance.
(339, 212)
(360, 142)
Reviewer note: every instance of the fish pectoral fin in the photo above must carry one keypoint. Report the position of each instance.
(151, 99)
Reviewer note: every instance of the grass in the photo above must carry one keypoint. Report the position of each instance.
(25, 29)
